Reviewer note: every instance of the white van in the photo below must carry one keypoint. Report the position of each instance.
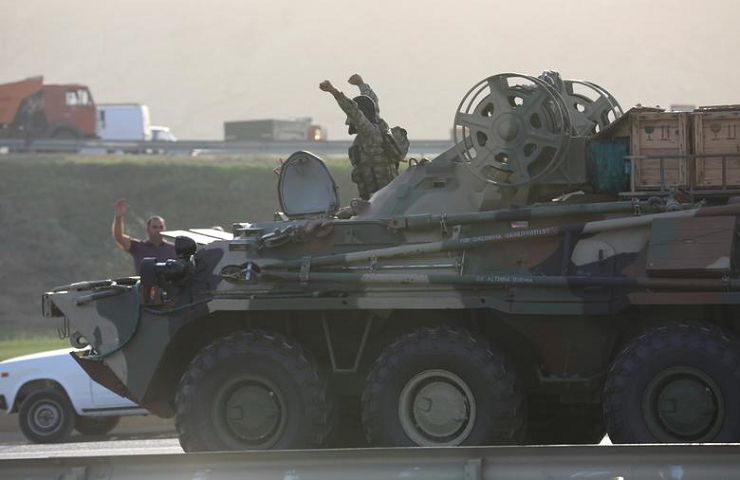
(123, 121)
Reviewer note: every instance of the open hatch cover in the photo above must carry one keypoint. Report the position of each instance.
(306, 188)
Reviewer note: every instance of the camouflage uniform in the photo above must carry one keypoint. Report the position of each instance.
(373, 169)
(367, 90)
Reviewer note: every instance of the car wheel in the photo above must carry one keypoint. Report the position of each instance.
(95, 425)
(678, 383)
(442, 387)
(251, 391)
(46, 416)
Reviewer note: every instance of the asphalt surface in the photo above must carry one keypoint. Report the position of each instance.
(134, 435)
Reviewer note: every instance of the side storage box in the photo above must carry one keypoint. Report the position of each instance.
(716, 132)
(661, 134)
(691, 247)
(608, 171)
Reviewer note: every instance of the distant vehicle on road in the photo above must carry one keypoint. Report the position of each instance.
(53, 395)
(162, 134)
(273, 130)
(31, 109)
(130, 121)
(123, 121)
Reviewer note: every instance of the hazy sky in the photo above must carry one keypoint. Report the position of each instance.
(197, 64)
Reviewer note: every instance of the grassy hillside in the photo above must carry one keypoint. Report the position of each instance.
(56, 212)
(23, 345)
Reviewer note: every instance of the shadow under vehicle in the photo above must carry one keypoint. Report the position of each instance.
(519, 288)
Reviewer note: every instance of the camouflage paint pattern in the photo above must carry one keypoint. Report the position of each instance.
(559, 287)
(360, 264)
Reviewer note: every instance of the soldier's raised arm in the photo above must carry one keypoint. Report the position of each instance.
(365, 89)
(355, 115)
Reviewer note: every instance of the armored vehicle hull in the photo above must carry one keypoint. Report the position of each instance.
(456, 307)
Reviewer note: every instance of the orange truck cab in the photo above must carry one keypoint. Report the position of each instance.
(29, 108)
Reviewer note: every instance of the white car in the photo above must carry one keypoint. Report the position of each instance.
(53, 395)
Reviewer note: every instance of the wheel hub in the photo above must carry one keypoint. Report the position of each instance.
(46, 416)
(440, 409)
(508, 126)
(253, 412)
(686, 406)
(249, 411)
(436, 407)
(683, 404)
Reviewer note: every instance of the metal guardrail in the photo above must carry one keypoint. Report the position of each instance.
(623, 462)
(206, 147)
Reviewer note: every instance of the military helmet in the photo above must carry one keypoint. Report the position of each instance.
(367, 107)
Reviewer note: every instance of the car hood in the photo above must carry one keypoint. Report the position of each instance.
(38, 356)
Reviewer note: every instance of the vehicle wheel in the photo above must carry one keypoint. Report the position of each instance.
(95, 425)
(674, 384)
(442, 386)
(252, 390)
(556, 424)
(46, 416)
(65, 134)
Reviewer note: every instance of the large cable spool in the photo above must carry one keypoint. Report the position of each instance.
(608, 109)
(512, 129)
(591, 106)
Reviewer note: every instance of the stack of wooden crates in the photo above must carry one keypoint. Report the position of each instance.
(677, 137)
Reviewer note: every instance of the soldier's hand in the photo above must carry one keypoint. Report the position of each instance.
(279, 168)
(326, 86)
(355, 79)
(120, 207)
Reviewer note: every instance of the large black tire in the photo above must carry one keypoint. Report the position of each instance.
(253, 390)
(46, 416)
(95, 425)
(676, 383)
(442, 386)
(558, 424)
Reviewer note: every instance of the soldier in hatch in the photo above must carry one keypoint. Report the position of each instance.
(373, 168)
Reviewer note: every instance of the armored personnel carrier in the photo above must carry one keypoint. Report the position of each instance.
(564, 270)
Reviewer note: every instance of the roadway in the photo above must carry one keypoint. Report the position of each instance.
(139, 433)
(418, 148)
(147, 447)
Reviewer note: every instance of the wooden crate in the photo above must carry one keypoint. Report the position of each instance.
(716, 132)
(659, 133)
